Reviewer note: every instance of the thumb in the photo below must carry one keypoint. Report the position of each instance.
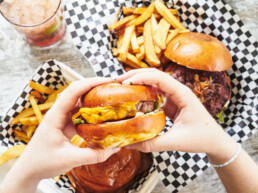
(85, 156)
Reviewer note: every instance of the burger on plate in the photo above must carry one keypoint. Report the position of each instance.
(199, 61)
(116, 115)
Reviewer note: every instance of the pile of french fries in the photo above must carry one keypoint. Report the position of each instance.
(30, 118)
(143, 35)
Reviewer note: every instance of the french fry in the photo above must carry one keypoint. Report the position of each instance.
(77, 140)
(161, 33)
(29, 121)
(119, 41)
(134, 43)
(132, 64)
(139, 29)
(53, 97)
(154, 26)
(128, 68)
(120, 23)
(135, 60)
(115, 52)
(35, 108)
(150, 53)
(21, 135)
(126, 42)
(38, 95)
(41, 88)
(171, 35)
(145, 15)
(141, 55)
(11, 153)
(140, 10)
(31, 129)
(163, 10)
(184, 31)
(29, 112)
(140, 40)
(127, 10)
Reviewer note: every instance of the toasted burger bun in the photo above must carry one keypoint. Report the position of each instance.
(199, 51)
(123, 132)
(115, 93)
(116, 174)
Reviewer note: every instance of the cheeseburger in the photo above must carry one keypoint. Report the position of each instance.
(199, 61)
(116, 115)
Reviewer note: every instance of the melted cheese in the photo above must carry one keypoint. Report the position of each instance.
(107, 113)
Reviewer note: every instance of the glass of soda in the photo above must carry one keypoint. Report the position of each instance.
(41, 21)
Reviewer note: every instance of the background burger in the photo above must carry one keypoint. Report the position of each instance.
(199, 61)
(116, 115)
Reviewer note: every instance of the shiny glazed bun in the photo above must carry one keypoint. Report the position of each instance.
(116, 115)
(114, 175)
(199, 51)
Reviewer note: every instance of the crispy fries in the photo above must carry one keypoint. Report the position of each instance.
(149, 46)
(126, 42)
(35, 108)
(171, 35)
(29, 121)
(39, 96)
(11, 153)
(29, 112)
(160, 35)
(145, 15)
(120, 23)
(134, 43)
(140, 10)
(41, 88)
(143, 46)
(163, 10)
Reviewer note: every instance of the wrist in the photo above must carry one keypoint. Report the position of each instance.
(223, 149)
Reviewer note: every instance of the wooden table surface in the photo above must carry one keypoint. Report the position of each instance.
(18, 61)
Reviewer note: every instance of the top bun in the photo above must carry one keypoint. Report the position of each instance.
(115, 93)
(199, 51)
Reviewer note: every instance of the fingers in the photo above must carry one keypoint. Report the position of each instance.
(71, 94)
(133, 72)
(85, 156)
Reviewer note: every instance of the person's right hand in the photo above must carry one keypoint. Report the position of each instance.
(194, 129)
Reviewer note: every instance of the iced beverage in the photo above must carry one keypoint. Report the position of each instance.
(41, 21)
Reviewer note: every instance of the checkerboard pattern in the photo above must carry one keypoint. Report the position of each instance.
(48, 74)
(88, 24)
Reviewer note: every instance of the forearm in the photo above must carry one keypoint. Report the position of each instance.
(239, 176)
(19, 180)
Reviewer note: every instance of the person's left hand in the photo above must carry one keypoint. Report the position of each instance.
(50, 152)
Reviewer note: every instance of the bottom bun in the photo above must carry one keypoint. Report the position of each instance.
(123, 132)
(114, 175)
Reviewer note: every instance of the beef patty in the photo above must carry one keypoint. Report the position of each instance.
(212, 88)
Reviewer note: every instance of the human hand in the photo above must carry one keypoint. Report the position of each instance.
(194, 129)
(50, 152)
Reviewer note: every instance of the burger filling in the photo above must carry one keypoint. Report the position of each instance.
(212, 88)
(113, 113)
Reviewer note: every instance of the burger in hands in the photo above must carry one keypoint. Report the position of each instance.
(116, 115)
(199, 61)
